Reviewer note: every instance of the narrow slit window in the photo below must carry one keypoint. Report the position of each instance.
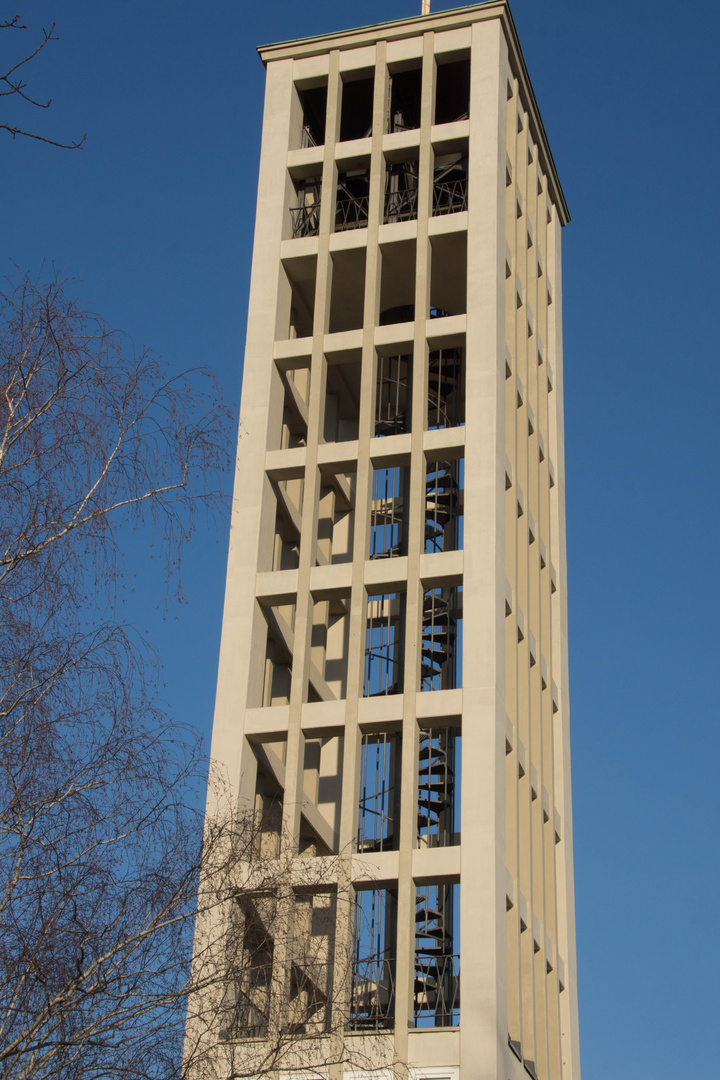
(439, 774)
(313, 102)
(379, 792)
(441, 667)
(450, 185)
(252, 986)
(305, 213)
(452, 92)
(393, 395)
(436, 994)
(384, 639)
(444, 506)
(280, 621)
(357, 109)
(401, 191)
(405, 94)
(372, 999)
(388, 514)
(446, 388)
(353, 200)
(311, 971)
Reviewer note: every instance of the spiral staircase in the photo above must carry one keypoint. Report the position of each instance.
(436, 986)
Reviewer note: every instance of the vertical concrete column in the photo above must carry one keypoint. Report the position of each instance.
(535, 957)
(566, 891)
(483, 1029)
(539, 580)
(552, 782)
(249, 531)
(526, 721)
(513, 793)
(516, 440)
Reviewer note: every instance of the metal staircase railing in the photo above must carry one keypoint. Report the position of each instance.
(445, 388)
(436, 787)
(436, 993)
(305, 219)
(442, 506)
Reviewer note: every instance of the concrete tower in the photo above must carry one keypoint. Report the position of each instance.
(392, 697)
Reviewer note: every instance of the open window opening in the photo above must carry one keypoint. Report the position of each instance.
(312, 962)
(342, 396)
(357, 107)
(379, 818)
(401, 191)
(384, 641)
(448, 275)
(452, 91)
(288, 491)
(405, 95)
(305, 213)
(347, 295)
(441, 667)
(268, 801)
(296, 392)
(286, 545)
(372, 998)
(253, 945)
(393, 395)
(320, 804)
(313, 102)
(397, 282)
(439, 773)
(400, 314)
(446, 388)
(444, 484)
(280, 620)
(300, 277)
(330, 644)
(450, 184)
(389, 512)
(436, 997)
(353, 200)
(336, 517)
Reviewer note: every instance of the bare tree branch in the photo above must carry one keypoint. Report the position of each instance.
(100, 848)
(12, 86)
(108, 871)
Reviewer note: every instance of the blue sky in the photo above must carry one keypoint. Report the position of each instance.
(155, 216)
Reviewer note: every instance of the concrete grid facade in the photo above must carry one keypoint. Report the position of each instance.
(392, 694)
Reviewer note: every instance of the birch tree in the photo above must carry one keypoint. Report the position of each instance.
(100, 845)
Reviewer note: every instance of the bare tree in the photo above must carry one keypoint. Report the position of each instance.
(13, 86)
(106, 864)
(100, 848)
(269, 989)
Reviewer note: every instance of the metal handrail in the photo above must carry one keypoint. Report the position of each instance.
(401, 205)
(305, 219)
(372, 1000)
(352, 212)
(449, 197)
(436, 999)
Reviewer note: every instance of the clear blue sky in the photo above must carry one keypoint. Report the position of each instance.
(155, 215)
